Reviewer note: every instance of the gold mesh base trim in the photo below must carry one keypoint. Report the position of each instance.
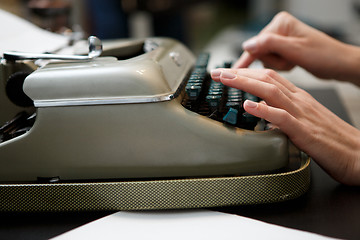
(157, 194)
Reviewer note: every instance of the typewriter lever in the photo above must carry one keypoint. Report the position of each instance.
(95, 50)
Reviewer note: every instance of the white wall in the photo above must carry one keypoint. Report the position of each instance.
(327, 14)
(324, 12)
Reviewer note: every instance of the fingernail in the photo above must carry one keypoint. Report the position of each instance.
(250, 45)
(250, 104)
(228, 75)
(215, 73)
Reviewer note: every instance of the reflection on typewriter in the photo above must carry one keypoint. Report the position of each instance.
(144, 109)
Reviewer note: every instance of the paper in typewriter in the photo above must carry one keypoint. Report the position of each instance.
(20, 35)
(192, 224)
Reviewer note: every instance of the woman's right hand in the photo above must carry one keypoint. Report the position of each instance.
(331, 142)
(286, 42)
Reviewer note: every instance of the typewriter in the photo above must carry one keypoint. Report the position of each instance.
(140, 114)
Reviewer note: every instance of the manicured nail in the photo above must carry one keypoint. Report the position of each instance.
(228, 75)
(250, 45)
(250, 104)
(215, 73)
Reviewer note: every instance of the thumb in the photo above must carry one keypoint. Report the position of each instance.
(247, 57)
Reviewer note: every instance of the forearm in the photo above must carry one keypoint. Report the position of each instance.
(352, 171)
(335, 146)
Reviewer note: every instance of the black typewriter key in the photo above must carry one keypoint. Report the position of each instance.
(193, 91)
(202, 60)
(213, 100)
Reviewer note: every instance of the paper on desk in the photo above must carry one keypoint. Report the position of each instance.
(195, 224)
(20, 35)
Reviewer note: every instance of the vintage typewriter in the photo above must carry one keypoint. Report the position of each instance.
(134, 124)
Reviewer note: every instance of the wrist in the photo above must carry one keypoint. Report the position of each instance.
(351, 64)
(352, 174)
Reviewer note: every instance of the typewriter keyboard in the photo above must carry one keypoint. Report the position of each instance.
(215, 100)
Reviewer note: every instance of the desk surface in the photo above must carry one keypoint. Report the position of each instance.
(328, 208)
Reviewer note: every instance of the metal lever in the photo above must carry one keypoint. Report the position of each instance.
(95, 50)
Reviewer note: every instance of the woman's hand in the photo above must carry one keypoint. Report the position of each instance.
(286, 42)
(331, 142)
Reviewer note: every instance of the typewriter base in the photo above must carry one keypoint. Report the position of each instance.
(158, 194)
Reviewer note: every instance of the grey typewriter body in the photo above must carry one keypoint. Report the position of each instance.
(124, 119)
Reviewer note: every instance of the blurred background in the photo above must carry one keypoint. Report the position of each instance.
(194, 22)
(216, 25)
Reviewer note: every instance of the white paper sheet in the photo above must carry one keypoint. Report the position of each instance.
(20, 35)
(195, 224)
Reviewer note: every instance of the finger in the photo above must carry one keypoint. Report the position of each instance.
(263, 102)
(215, 74)
(280, 24)
(267, 91)
(244, 61)
(279, 117)
(268, 76)
(276, 62)
(270, 43)
(277, 78)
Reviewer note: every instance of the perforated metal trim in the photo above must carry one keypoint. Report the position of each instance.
(158, 194)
